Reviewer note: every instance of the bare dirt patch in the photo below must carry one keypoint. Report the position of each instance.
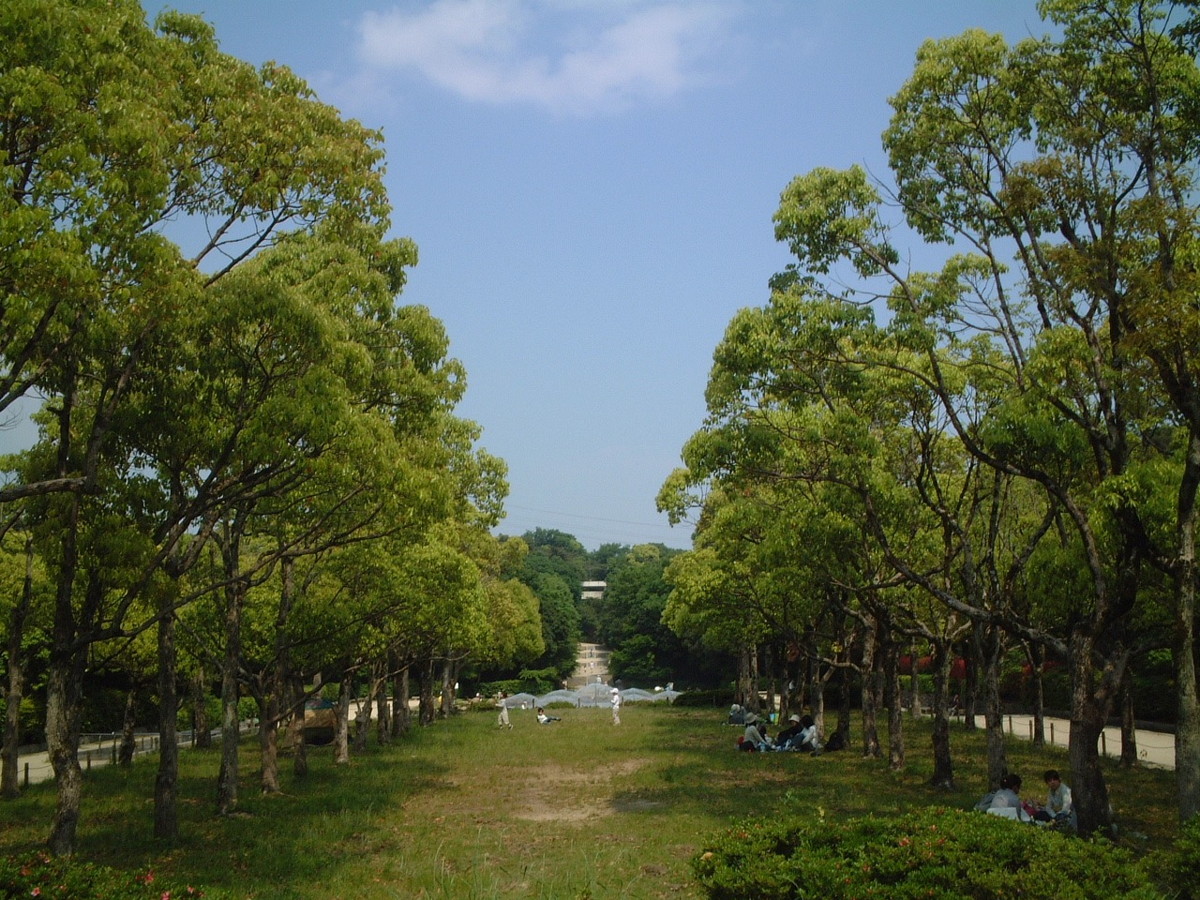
(557, 793)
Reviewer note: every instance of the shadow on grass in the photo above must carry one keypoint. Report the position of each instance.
(299, 836)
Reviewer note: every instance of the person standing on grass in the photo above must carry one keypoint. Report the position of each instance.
(616, 706)
(502, 719)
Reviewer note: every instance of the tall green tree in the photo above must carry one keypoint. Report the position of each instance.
(1073, 158)
(560, 625)
(112, 131)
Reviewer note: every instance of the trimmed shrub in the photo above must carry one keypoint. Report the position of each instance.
(1178, 869)
(933, 853)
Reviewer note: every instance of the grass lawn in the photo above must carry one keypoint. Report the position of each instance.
(577, 809)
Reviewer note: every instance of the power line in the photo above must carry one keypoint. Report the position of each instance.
(552, 512)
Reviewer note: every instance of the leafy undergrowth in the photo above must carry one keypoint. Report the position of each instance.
(40, 875)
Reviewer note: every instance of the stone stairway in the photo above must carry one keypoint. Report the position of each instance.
(591, 666)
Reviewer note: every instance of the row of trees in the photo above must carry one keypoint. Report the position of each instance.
(248, 471)
(1006, 448)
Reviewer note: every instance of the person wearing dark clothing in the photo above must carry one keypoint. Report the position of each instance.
(787, 736)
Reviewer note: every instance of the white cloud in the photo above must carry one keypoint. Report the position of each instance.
(576, 57)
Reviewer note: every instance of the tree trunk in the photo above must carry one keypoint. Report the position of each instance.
(362, 717)
(166, 779)
(227, 779)
(1187, 716)
(971, 668)
(1129, 751)
(62, 740)
(128, 730)
(296, 700)
(943, 761)
(268, 739)
(201, 726)
(745, 694)
(845, 703)
(401, 720)
(1089, 791)
(9, 776)
(871, 677)
(426, 709)
(341, 734)
(383, 725)
(1036, 655)
(769, 666)
(992, 646)
(450, 688)
(816, 696)
(64, 692)
(895, 706)
(914, 674)
(278, 680)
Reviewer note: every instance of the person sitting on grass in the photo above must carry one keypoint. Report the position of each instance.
(807, 741)
(1006, 802)
(789, 735)
(1058, 801)
(544, 719)
(755, 737)
(1009, 795)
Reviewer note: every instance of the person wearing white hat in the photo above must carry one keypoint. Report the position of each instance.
(787, 735)
(754, 737)
(616, 706)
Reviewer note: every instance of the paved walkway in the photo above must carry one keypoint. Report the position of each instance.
(1155, 748)
(94, 751)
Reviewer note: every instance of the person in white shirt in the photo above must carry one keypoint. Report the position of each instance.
(1058, 800)
(807, 740)
(616, 706)
(755, 737)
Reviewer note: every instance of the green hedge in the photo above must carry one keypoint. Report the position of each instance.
(1179, 866)
(934, 853)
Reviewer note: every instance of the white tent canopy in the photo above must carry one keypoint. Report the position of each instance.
(590, 695)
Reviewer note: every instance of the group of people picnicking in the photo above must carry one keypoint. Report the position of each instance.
(1006, 801)
(800, 735)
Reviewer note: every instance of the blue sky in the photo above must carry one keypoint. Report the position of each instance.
(591, 185)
